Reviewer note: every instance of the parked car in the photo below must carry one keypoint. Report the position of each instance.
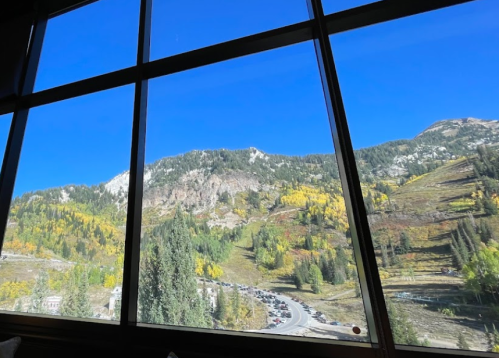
(271, 326)
(336, 323)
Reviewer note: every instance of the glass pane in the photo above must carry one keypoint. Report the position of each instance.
(181, 26)
(90, 41)
(420, 95)
(244, 224)
(4, 133)
(63, 249)
(331, 6)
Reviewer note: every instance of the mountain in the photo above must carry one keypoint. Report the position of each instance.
(264, 219)
(197, 178)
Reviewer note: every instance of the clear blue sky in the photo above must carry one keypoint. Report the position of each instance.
(397, 79)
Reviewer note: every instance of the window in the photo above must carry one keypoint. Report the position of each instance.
(181, 26)
(90, 41)
(331, 6)
(63, 248)
(241, 228)
(4, 132)
(242, 203)
(420, 98)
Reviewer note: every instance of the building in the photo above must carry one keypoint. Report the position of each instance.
(115, 297)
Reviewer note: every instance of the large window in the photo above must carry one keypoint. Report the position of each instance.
(423, 118)
(63, 248)
(90, 41)
(244, 222)
(181, 26)
(198, 197)
(5, 121)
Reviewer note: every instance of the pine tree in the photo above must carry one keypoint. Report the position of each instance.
(309, 242)
(458, 260)
(384, 256)
(39, 294)
(489, 207)
(206, 303)
(461, 342)
(402, 329)
(66, 251)
(316, 279)
(117, 310)
(221, 309)
(279, 259)
(69, 305)
(236, 303)
(84, 309)
(405, 243)
(168, 293)
(298, 278)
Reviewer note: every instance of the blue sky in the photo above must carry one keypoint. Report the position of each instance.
(397, 79)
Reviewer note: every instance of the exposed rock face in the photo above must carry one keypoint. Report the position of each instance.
(201, 192)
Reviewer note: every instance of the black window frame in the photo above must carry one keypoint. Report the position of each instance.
(128, 336)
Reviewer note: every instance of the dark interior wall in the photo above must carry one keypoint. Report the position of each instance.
(14, 39)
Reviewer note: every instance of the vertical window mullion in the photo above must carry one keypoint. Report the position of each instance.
(372, 292)
(20, 119)
(136, 175)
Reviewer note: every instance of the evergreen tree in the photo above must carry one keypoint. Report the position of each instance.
(236, 303)
(298, 277)
(458, 260)
(117, 310)
(279, 259)
(66, 251)
(69, 305)
(489, 207)
(168, 292)
(402, 329)
(461, 342)
(221, 309)
(384, 256)
(316, 278)
(206, 303)
(39, 294)
(405, 243)
(309, 242)
(82, 299)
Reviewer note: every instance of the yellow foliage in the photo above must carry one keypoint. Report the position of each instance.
(214, 271)
(332, 206)
(299, 197)
(12, 289)
(413, 178)
(241, 212)
(383, 274)
(20, 248)
(109, 281)
(200, 264)
(464, 204)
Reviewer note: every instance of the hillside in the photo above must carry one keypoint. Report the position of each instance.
(279, 223)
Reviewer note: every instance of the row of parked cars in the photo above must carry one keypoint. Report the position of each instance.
(226, 284)
(278, 309)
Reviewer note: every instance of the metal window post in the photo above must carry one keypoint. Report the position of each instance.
(372, 292)
(20, 119)
(136, 177)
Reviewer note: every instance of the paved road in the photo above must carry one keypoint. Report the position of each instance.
(299, 320)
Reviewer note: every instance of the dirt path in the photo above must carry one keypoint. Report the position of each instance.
(340, 295)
